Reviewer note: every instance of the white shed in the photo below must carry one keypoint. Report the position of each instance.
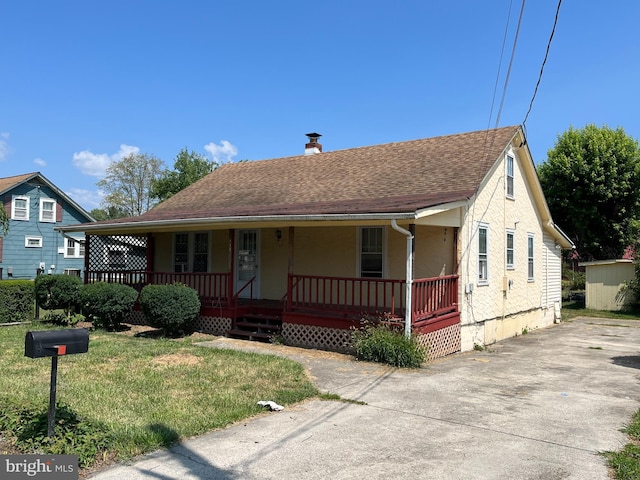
(604, 283)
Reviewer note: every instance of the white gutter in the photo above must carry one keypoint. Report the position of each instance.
(409, 276)
(88, 227)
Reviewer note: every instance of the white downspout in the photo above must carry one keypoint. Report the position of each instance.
(409, 276)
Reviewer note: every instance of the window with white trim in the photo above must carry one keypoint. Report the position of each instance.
(73, 248)
(530, 257)
(371, 252)
(510, 249)
(191, 252)
(483, 254)
(20, 208)
(509, 177)
(47, 210)
(33, 242)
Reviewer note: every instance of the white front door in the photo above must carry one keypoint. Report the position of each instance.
(247, 261)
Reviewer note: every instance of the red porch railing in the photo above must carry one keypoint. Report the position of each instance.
(211, 287)
(342, 296)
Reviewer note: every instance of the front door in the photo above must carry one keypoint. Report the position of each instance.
(247, 263)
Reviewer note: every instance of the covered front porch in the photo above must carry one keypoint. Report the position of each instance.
(294, 282)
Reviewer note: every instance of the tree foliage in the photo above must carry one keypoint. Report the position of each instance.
(108, 213)
(4, 220)
(591, 181)
(128, 182)
(188, 168)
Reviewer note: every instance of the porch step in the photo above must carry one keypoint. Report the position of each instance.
(256, 326)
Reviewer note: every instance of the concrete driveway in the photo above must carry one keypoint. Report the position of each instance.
(539, 406)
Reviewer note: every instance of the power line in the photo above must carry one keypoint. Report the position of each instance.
(504, 42)
(546, 55)
(513, 54)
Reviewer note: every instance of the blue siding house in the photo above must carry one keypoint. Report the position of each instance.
(36, 208)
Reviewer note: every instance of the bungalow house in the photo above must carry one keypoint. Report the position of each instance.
(450, 237)
(35, 207)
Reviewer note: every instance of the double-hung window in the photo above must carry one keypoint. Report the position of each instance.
(73, 248)
(509, 177)
(191, 252)
(20, 208)
(530, 257)
(47, 210)
(483, 254)
(371, 252)
(510, 249)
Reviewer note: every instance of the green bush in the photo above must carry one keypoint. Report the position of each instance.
(377, 342)
(173, 308)
(26, 426)
(55, 292)
(107, 305)
(16, 300)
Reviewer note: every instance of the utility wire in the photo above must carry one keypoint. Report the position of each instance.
(553, 31)
(513, 54)
(495, 87)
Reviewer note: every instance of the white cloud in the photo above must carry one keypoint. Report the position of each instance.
(222, 153)
(40, 162)
(88, 199)
(4, 145)
(95, 164)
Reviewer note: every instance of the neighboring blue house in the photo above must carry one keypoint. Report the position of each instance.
(36, 207)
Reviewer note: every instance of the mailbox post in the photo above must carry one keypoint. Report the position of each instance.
(53, 343)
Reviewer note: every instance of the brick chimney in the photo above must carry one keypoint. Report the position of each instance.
(313, 146)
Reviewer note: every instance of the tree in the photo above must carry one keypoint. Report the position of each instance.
(128, 184)
(187, 169)
(108, 213)
(4, 220)
(591, 181)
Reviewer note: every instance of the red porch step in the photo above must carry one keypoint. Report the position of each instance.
(256, 326)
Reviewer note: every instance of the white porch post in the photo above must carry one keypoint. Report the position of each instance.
(409, 276)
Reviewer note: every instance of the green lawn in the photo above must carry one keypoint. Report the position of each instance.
(141, 393)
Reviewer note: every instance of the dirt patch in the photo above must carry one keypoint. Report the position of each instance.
(176, 359)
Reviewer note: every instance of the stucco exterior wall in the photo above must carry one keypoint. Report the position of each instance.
(509, 302)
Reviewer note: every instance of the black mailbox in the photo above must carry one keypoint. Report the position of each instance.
(51, 343)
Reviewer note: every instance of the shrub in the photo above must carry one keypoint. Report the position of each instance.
(107, 304)
(378, 342)
(57, 292)
(173, 308)
(16, 300)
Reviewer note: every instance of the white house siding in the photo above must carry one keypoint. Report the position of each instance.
(552, 257)
(509, 304)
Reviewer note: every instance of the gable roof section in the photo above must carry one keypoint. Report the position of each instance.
(399, 177)
(9, 183)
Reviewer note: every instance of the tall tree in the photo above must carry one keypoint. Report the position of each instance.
(128, 182)
(188, 168)
(591, 180)
(108, 213)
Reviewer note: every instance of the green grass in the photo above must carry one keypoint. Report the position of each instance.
(148, 393)
(626, 462)
(571, 310)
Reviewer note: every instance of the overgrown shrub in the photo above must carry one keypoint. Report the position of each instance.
(378, 342)
(54, 292)
(26, 426)
(16, 300)
(107, 305)
(173, 307)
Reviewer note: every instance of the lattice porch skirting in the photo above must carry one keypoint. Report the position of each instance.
(322, 338)
(441, 343)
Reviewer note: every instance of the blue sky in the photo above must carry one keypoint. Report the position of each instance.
(84, 83)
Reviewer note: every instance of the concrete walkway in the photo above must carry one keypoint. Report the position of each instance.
(539, 406)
